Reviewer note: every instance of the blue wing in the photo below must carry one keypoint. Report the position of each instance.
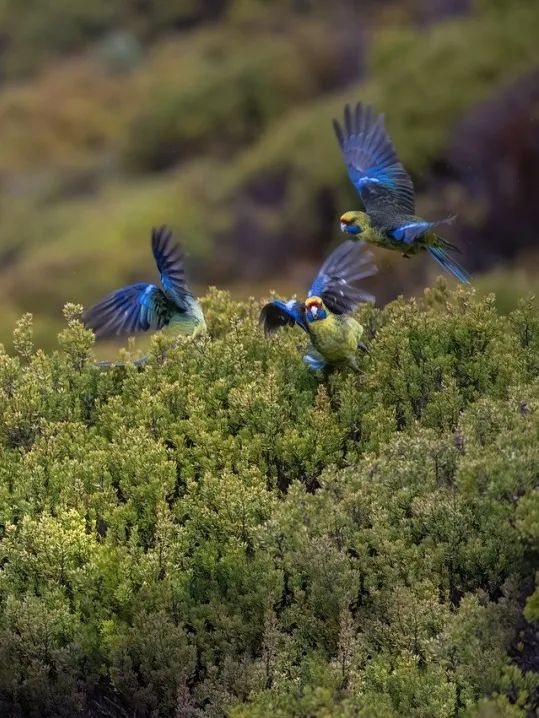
(372, 163)
(278, 314)
(337, 281)
(129, 310)
(170, 263)
(408, 231)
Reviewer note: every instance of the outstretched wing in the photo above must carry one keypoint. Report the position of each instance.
(169, 258)
(278, 314)
(129, 310)
(372, 163)
(337, 281)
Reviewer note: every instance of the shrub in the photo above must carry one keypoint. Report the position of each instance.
(226, 532)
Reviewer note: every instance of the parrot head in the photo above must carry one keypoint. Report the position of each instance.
(352, 222)
(315, 309)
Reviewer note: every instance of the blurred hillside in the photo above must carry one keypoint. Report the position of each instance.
(215, 117)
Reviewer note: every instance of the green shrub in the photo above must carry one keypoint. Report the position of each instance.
(226, 532)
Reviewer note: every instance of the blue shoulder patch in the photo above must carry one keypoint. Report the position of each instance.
(411, 230)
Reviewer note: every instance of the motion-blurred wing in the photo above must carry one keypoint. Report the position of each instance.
(169, 258)
(129, 310)
(277, 314)
(372, 163)
(337, 281)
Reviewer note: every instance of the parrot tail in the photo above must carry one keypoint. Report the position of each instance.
(449, 264)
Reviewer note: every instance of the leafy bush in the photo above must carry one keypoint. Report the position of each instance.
(226, 532)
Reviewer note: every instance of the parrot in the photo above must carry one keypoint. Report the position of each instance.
(326, 313)
(387, 193)
(142, 306)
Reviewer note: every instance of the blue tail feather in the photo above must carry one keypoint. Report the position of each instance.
(449, 264)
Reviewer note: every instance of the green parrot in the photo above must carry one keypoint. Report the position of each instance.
(142, 306)
(326, 313)
(387, 193)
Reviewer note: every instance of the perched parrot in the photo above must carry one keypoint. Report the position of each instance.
(326, 313)
(387, 192)
(140, 307)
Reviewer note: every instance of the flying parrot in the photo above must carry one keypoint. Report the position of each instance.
(326, 313)
(142, 306)
(387, 192)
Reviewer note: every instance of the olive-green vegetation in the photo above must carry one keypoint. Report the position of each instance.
(223, 130)
(226, 532)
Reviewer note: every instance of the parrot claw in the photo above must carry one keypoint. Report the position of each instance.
(363, 347)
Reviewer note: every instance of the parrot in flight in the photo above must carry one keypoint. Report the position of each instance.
(387, 193)
(142, 306)
(326, 313)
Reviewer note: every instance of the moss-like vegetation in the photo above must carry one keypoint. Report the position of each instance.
(226, 533)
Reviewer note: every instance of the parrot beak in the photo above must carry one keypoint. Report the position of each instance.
(343, 227)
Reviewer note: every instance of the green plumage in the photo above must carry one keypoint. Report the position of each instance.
(336, 338)
(326, 314)
(379, 237)
(189, 323)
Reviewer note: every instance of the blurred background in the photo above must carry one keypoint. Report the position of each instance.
(214, 116)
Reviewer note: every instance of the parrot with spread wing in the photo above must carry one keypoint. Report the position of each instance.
(141, 307)
(326, 313)
(387, 193)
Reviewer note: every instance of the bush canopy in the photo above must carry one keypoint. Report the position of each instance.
(227, 533)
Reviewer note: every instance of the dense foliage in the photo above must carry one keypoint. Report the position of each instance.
(226, 532)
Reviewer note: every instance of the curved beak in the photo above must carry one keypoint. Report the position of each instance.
(343, 227)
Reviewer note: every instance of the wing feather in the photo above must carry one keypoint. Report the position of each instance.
(277, 314)
(337, 281)
(372, 163)
(129, 310)
(169, 258)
